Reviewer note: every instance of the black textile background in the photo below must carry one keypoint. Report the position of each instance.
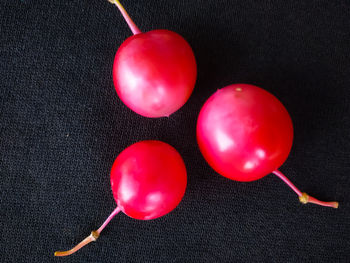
(62, 125)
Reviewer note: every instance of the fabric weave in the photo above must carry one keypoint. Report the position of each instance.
(62, 125)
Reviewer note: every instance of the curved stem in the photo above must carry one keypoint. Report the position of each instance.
(288, 182)
(93, 237)
(135, 30)
(304, 198)
(105, 223)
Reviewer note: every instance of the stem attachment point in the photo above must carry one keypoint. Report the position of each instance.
(304, 198)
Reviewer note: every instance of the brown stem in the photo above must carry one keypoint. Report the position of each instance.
(93, 237)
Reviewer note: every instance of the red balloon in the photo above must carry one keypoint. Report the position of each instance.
(244, 132)
(154, 73)
(148, 179)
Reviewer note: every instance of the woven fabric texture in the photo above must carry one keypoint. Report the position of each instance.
(62, 125)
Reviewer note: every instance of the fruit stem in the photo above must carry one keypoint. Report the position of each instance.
(304, 198)
(134, 29)
(93, 237)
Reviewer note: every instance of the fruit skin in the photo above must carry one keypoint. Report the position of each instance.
(148, 179)
(244, 132)
(154, 73)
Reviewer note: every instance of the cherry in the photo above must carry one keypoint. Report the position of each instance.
(148, 180)
(154, 73)
(245, 133)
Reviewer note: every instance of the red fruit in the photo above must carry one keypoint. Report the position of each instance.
(245, 133)
(148, 180)
(154, 73)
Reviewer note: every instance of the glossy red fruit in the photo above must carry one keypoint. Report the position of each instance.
(244, 132)
(154, 73)
(148, 179)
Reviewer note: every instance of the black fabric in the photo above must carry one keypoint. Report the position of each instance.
(62, 125)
